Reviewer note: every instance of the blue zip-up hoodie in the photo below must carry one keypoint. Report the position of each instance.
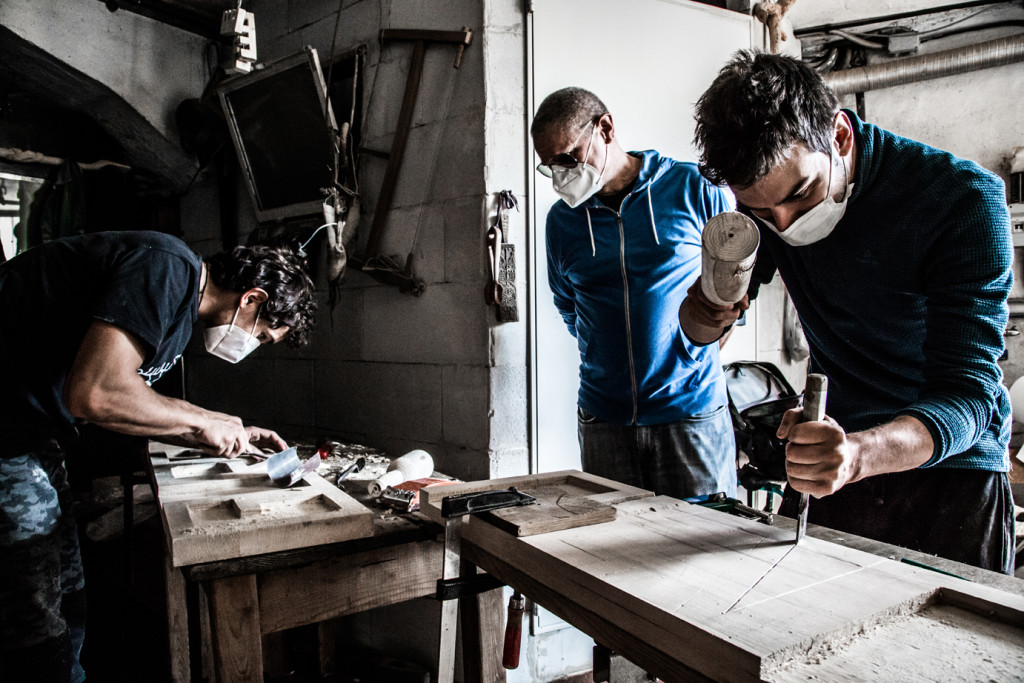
(618, 279)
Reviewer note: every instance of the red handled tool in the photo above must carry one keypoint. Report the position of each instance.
(513, 631)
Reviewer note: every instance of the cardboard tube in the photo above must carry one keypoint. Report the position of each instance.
(728, 250)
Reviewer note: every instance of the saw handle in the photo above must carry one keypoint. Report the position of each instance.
(513, 631)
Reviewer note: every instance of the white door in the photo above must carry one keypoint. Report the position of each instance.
(649, 61)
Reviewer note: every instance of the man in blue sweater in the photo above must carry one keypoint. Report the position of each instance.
(623, 245)
(898, 259)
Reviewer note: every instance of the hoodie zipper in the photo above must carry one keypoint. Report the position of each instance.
(625, 301)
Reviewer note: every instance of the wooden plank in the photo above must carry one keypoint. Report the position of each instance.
(177, 623)
(263, 521)
(211, 478)
(234, 619)
(483, 631)
(961, 645)
(554, 510)
(572, 483)
(348, 584)
(727, 597)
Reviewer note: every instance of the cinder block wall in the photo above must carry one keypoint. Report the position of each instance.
(392, 370)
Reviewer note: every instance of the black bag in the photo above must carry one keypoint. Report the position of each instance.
(759, 394)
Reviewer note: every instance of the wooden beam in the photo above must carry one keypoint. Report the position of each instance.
(235, 622)
(348, 584)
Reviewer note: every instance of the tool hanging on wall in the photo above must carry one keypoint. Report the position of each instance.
(241, 27)
(501, 290)
(380, 266)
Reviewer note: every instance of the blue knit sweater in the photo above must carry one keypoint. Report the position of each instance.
(904, 304)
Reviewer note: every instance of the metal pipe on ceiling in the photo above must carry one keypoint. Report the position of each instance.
(991, 53)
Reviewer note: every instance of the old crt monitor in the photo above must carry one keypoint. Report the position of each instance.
(283, 133)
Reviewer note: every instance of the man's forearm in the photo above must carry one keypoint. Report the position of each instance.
(897, 446)
(142, 411)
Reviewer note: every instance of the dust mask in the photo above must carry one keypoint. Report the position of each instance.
(577, 185)
(819, 222)
(229, 342)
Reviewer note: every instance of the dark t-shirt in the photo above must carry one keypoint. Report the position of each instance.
(614, 201)
(145, 283)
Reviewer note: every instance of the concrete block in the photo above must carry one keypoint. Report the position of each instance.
(504, 136)
(509, 340)
(338, 335)
(465, 241)
(292, 395)
(446, 91)
(460, 158)
(428, 243)
(502, 15)
(298, 13)
(400, 400)
(447, 324)
(440, 15)
(468, 464)
(452, 148)
(465, 397)
(236, 389)
(385, 89)
(509, 415)
(504, 74)
(509, 462)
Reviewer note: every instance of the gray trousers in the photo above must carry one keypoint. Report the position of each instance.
(689, 459)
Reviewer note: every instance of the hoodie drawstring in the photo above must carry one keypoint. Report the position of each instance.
(650, 207)
(590, 227)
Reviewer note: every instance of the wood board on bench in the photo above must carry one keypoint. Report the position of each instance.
(565, 500)
(687, 591)
(216, 509)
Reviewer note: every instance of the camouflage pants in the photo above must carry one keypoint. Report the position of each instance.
(40, 562)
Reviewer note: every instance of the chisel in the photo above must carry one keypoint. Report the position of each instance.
(815, 394)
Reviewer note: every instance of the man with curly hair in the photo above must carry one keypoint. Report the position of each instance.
(89, 323)
(898, 258)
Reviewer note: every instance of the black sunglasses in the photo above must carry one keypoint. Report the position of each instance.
(565, 159)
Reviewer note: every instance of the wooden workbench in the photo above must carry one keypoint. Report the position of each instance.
(691, 593)
(245, 598)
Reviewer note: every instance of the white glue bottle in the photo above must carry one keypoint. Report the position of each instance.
(413, 465)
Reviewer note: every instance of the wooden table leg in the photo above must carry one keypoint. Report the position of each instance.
(483, 633)
(177, 623)
(235, 626)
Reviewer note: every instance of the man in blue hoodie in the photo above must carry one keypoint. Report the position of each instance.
(898, 258)
(623, 246)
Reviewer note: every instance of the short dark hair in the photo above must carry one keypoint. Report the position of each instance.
(568, 108)
(756, 109)
(281, 273)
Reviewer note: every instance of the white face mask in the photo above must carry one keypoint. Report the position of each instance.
(819, 222)
(229, 342)
(577, 185)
